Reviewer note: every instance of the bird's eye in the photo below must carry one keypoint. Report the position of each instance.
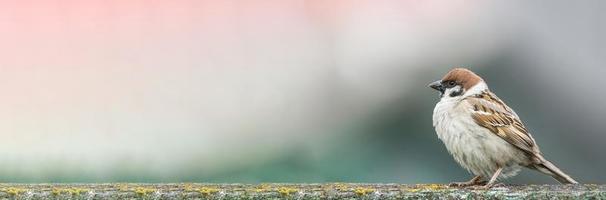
(452, 83)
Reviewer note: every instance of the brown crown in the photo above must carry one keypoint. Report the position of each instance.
(462, 76)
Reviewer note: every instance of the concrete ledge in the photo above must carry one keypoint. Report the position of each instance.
(293, 191)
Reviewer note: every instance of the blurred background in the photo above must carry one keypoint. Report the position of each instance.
(286, 91)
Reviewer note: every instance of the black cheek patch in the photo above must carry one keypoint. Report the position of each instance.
(456, 93)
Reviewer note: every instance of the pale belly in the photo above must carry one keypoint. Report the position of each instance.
(476, 148)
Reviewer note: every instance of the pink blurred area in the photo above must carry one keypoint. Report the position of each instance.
(63, 59)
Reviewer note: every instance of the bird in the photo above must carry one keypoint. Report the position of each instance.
(483, 134)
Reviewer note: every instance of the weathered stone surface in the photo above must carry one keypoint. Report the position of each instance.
(293, 191)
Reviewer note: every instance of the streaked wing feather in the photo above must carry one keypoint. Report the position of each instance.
(490, 112)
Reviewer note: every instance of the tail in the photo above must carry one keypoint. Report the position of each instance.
(549, 168)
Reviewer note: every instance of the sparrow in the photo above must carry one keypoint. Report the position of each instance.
(483, 134)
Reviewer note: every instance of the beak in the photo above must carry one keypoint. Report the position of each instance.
(437, 85)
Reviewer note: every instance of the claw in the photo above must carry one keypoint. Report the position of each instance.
(475, 181)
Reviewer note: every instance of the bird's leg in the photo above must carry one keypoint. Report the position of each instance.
(477, 180)
(493, 180)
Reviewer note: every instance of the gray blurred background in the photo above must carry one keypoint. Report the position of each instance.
(287, 91)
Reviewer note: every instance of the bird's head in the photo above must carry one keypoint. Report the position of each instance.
(457, 82)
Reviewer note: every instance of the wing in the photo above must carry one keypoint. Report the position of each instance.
(490, 112)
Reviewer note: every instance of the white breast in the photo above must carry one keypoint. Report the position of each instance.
(475, 148)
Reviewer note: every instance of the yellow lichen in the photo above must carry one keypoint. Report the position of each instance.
(207, 191)
(413, 190)
(285, 191)
(14, 191)
(142, 191)
(433, 187)
(363, 191)
(340, 186)
(76, 191)
(56, 191)
(122, 187)
(263, 187)
(188, 187)
(425, 187)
